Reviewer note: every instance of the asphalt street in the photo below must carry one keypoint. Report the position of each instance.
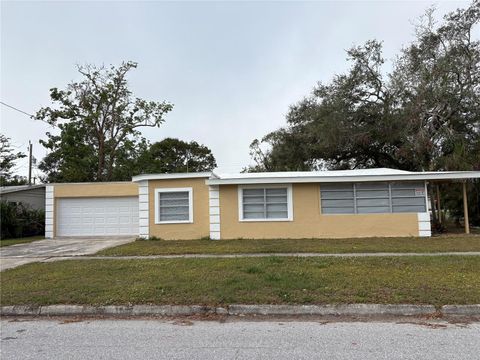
(184, 339)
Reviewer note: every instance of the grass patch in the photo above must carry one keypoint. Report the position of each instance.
(9, 242)
(413, 244)
(424, 280)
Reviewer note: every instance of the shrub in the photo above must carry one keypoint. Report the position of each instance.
(18, 220)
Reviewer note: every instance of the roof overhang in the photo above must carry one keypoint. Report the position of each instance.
(173, 176)
(18, 188)
(276, 178)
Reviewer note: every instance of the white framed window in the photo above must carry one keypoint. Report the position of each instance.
(173, 205)
(265, 203)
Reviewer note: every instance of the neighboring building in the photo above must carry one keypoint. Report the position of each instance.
(32, 196)
(321, 204)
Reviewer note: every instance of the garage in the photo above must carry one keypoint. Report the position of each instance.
(97, 216)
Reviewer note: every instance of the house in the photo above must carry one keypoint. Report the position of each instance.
(32, 196)
(318, 204)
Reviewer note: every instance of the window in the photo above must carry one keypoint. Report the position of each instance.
(273, 203)
(408, 197)
(373, 197)
(173, 205)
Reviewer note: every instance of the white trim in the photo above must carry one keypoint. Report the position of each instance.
(214, 219)
(424, 233)
(143, 210)
(327, 177)
(426, 200)
(190, 205)
(214, 227)
(144, 177)
(266, 186)
(49, 211)
(424, 226)
(423, 217)
(214, 210)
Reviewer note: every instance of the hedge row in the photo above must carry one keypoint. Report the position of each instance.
(19, 221)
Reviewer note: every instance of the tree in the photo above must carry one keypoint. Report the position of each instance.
(176, 156)
(99, 119)
(8, 158)
(348, 123)
(422, 115)
(437, 79)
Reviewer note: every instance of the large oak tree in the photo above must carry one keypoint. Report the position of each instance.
(422, 115)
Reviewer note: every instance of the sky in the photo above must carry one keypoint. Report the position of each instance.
(231, 69)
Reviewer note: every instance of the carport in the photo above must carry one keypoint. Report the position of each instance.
(436, 200)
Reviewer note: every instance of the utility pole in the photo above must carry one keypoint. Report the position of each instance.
(188, 157)
(29, 162)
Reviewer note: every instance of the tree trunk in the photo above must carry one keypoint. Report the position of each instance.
(101, 160)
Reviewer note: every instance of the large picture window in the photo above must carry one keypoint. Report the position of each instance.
(265, 203)
(373, 197)
(173, 205)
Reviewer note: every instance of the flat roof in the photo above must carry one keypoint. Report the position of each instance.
(17, 188)
(360, 175)
(171, 176)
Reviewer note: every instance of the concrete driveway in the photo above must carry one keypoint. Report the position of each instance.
(56, 249)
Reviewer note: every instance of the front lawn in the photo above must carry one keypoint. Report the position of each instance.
(413, 244)
(8, 242)
(271, 280)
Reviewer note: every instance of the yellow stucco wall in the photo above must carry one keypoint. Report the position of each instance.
(106, 189)
(200, 227)
(308, 222)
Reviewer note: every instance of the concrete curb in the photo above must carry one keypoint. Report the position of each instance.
(466, 310)
(241, 310)
(348, 309)
(135, 310)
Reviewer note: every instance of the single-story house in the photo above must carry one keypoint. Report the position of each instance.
(317, 204)
(32, 196)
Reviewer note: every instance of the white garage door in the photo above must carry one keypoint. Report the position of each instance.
(97, 216)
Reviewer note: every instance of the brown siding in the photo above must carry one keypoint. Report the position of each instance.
(201, 220)
(308, 222)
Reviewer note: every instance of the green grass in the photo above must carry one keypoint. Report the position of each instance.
(9, 242)
(271, 280)
(413, 244)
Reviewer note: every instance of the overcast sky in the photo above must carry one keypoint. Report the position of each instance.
(231, 68)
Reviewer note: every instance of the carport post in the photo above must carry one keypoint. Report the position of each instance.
(465, 208)
(439, 207)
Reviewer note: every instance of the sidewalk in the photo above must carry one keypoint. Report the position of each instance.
(261, 255)
(8, 262)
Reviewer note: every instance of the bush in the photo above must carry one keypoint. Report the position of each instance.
(18, 220)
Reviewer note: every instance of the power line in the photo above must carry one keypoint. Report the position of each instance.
(23, 112)
(14, 108)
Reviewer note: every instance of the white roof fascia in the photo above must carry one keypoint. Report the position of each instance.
(407, 176)
(172, 176)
